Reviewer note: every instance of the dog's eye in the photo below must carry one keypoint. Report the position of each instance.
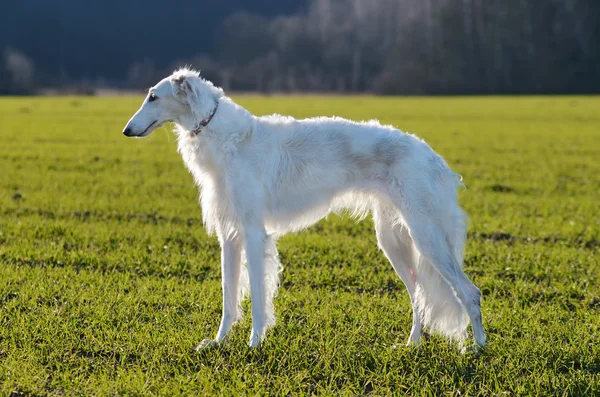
(152, 97)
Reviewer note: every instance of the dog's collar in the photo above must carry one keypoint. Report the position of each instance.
(205, 122)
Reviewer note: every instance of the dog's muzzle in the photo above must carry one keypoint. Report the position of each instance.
(129, 132)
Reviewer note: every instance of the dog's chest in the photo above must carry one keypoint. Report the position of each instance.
(199, 158)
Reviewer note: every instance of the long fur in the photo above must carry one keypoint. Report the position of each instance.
(261, 177)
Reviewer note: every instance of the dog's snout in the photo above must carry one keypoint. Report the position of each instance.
(127, 131)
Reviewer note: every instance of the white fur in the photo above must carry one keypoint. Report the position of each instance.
(261, 177)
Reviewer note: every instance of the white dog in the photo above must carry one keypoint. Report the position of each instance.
(261, 177)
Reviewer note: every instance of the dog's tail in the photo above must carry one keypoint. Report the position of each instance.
(436, 301)
(439, 308)
(272, 269)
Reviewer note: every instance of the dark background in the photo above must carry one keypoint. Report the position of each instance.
(383, 46)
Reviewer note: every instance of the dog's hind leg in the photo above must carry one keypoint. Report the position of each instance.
(230, 273)
(396, 244)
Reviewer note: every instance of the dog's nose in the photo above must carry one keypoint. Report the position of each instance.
(127, 131)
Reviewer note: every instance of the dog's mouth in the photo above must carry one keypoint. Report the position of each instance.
(148, 130)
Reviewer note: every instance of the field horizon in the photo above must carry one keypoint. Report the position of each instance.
(108, 280)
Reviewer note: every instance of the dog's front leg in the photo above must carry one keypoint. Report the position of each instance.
(254, 244)
(230, 273)
(231, 250)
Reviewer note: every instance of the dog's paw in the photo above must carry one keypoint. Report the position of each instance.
(207, 344)
(255, 340)
(476, 350)
(415, 340)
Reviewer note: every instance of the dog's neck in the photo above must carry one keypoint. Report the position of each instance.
(204, 122)
(229, 125)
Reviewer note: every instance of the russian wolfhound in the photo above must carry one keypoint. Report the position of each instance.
(261, 177)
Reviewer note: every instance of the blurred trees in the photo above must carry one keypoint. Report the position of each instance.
(384, 46)
(419, 47)
(16, 73)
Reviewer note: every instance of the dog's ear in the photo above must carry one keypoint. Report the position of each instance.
(192, 91)
(182, 88)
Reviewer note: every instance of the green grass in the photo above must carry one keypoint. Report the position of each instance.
(108, 280)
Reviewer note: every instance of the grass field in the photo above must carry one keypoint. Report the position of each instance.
(108, 280)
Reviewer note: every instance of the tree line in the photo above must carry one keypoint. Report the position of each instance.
(391, 47)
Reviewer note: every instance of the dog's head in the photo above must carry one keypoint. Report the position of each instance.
(183, 98)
